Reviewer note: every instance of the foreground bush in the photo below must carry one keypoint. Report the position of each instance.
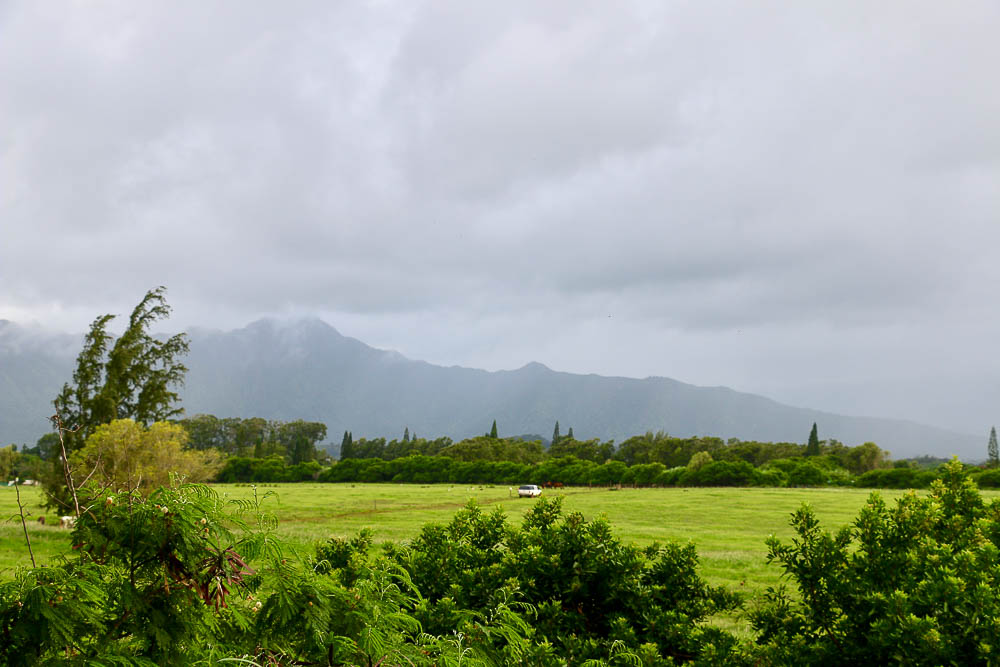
(588, 590)
(182, 577)
(915, 584)
(150, 579)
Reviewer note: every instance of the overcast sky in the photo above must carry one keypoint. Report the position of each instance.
(795, 199)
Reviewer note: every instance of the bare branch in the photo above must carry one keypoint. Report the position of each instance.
(57, 421)
(24, 526)
(97, 464)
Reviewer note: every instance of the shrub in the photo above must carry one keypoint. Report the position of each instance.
(643, 474)
(150, 578)
(800, 471)
(588, 589)
(896, 478)
(719, 473)
(917, 584)
(670, 477)
(988, 478)
(769, 477)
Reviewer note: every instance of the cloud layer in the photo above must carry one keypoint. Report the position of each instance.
(794, 199)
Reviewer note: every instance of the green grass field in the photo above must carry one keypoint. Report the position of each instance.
(728, 525)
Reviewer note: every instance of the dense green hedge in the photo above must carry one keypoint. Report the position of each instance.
(271, 469)
(988, 478)
(568, 470)
(650, 459)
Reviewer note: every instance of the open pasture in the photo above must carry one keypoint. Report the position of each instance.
(728, 525)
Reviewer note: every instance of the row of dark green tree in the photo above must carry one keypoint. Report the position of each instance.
(569, 470)
(380, 448)
(294, 441)
(648, 447)
(651, 459)
(647, 459)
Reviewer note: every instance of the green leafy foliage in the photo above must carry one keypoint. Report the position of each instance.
(124, 454)
(586, 450)
(487, 448)
(296, 441)
(917, 584)
(151, 576)
(800, 471)
(590, 591)
(388, 450)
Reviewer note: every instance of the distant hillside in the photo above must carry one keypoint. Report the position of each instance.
(33, 368)
(308, 370)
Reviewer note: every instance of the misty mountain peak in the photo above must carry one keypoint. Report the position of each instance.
(305, 369)
(298, 325)
(534, 366)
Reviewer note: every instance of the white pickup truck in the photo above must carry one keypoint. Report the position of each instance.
(529, 491)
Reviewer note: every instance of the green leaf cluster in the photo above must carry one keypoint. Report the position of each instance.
(917, 583)
(589, 591)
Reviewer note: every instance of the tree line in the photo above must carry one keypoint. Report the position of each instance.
(294, 441)
(648, 460)
(125, 450)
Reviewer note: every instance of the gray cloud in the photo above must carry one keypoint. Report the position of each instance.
(795, 199)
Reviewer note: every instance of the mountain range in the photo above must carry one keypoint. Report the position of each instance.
(307, 370)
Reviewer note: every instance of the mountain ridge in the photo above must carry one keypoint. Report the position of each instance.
(307, 369)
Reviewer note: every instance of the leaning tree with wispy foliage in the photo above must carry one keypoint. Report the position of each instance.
(133, 376)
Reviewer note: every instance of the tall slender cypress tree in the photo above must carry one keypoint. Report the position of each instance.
(812, 449)
(555, 433)
(992, 451)
(347, 446)
(493, 430)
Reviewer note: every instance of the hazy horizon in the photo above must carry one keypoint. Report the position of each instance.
(70, 349)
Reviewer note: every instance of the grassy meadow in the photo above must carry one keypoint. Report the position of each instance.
(728, 525)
